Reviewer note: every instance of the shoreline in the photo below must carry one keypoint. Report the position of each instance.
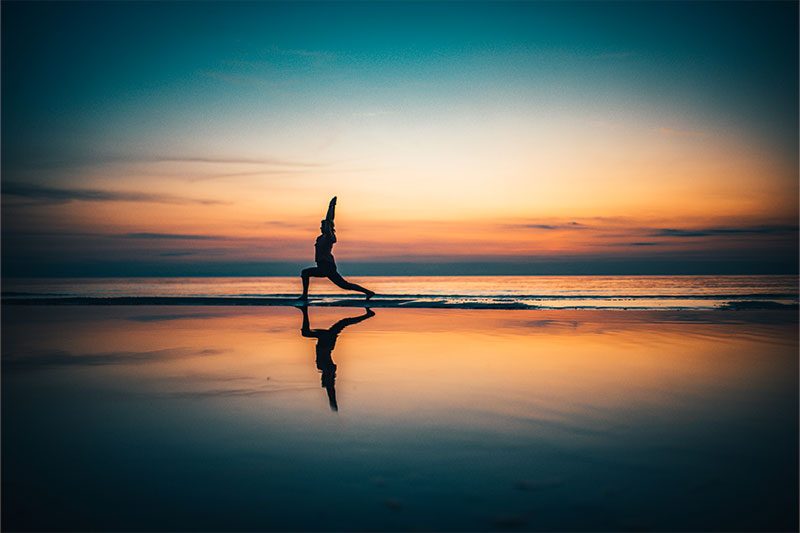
(407, 303)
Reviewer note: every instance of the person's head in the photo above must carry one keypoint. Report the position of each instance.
(325, 226)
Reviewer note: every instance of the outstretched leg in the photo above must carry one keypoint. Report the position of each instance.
(307, 273)
(339, 281)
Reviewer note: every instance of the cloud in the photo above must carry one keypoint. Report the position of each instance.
(57, 195)
(271, 161)
(95, 235)
(285, 224)
(176, 254)
(226, 167)
(644, 243)
(170, 236)
(261, 172)
(12, 234)
(186, 166)
(709, 232)
(550, 227)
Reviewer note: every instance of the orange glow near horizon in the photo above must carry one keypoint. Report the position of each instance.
(517, 196)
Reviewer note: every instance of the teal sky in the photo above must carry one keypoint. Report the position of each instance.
(143, 72)
(89, 88)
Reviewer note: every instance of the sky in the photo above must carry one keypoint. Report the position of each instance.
(468, 138)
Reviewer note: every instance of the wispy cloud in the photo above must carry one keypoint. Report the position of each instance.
(209, 166)
(267, 161)
(284, 224)
(550, 227)
(170, 236)
(45, 194)
(708, 232)
(176, 254)
(220, 167)
(97, 235)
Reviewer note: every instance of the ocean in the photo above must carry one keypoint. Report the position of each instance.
(646, 403)
(515, 292)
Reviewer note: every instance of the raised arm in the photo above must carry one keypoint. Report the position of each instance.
(331, 209)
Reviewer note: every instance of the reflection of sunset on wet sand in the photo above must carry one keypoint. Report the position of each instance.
(444, 404)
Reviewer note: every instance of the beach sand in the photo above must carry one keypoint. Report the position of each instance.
(220, 418)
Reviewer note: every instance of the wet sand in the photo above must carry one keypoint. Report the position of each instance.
(681, 303)
(221, 418)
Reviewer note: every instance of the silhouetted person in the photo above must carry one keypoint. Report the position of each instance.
(326, 266)
(326, 340)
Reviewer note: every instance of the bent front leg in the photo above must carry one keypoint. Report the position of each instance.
(308, 273)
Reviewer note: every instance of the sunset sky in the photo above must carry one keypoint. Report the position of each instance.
(207, 138)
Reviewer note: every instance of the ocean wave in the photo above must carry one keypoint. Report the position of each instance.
(653, 302)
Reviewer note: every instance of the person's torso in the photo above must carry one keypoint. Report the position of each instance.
(323, 249)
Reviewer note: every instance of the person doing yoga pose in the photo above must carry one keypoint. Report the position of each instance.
(323, 255)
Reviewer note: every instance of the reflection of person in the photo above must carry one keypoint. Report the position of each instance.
(326, 340)
(323, 255)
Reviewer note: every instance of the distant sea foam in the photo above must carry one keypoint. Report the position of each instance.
(513, 292)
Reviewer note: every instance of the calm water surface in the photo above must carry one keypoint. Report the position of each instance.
(222, 418)
(648, 292)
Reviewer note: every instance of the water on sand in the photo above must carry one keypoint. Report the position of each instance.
(220, 418)
(510, 292)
